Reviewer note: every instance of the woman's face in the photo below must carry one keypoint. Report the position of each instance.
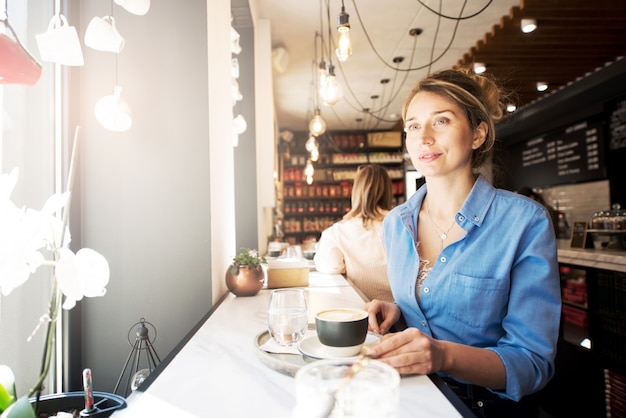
(439, 138)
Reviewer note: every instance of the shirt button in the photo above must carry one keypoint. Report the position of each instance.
(426, 290)
(443, 259)
(423, 323)
(461, 218)
(476, 219)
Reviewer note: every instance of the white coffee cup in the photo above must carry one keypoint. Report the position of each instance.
(341, 331)
(101, 34)
(113, 113)
(136, 7)
(60, 43)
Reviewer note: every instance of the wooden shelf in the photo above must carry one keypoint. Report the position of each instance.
(328, 198)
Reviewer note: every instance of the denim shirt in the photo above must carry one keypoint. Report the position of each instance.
(497, 287)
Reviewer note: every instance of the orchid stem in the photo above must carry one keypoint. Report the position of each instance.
(57, 295)
(53, 310)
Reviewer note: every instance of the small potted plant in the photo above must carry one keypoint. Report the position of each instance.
(245, 276)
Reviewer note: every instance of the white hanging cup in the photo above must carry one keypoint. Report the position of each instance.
(102, 35)
(60, 43)
(136, 7)
(113, 113)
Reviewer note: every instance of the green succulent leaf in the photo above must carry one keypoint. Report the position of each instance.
(248, 257)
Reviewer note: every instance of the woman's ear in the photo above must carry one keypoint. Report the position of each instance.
(480, 135)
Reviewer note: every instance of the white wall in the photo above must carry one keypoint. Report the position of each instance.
(146, 200)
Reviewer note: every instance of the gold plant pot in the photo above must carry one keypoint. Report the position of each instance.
(246, 282)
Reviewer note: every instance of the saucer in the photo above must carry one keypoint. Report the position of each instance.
(311, 346)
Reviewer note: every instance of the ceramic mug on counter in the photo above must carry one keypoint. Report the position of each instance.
(341, 331)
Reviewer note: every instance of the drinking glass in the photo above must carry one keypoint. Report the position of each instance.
(321, 390)
(294, 252)
(287, 316)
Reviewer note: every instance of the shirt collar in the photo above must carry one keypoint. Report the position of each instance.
(474, 209)
(478, 201)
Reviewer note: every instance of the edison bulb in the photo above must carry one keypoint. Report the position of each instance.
(315, 154)
(317, 126)
(331, 92)
(311, 143)
(344, 45)
(308, 169)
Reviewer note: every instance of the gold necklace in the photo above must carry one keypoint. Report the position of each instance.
(443, 235)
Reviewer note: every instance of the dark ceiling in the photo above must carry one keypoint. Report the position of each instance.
(573, 39)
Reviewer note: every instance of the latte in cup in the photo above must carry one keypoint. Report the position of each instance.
(341, 331)
(342, 314)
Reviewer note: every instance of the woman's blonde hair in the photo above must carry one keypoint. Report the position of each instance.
(478, 95)
(372, 194)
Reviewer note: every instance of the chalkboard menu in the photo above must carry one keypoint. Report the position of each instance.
(617, 126)
(579, 235)
(572, 154)
(616, 152)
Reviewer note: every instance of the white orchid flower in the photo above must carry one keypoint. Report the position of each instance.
(7, 183)
(18, 257)
(23, 233)
(29, 239)
(85, 273)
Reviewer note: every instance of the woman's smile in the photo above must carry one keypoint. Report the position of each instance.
(428, 156)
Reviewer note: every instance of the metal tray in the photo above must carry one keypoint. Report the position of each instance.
(287, 364)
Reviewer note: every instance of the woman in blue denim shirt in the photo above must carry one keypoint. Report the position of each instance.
(473, 269)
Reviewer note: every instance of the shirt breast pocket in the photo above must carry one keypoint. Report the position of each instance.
(479, 302)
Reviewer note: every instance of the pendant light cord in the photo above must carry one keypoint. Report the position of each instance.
(330, 53)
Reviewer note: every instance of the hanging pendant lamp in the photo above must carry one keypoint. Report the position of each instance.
(344, 44)
(18, 65)
(331, 92)
(317, 126)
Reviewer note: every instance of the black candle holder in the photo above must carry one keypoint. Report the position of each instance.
(142, 344)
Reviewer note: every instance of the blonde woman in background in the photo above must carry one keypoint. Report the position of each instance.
(354, 245)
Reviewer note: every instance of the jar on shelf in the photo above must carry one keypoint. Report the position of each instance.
(597, 220)
(619, 217)
(612, 220)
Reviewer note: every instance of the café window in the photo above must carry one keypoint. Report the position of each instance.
(31, 140)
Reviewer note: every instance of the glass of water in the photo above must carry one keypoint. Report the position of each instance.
(321, 390)
(287, 317)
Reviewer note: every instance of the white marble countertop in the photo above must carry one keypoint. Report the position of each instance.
(218, 372)
(591, 257)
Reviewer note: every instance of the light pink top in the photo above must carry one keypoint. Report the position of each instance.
(346, 247)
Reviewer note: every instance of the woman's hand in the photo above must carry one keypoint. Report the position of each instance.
(413, 352)
(409, 352)
(382, 315)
